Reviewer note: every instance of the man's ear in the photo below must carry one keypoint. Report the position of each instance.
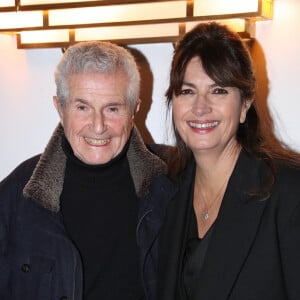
(245, 107)
(58, 108)
(137, 108)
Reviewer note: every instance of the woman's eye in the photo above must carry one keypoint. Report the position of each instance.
(186, 92)
(220, 91)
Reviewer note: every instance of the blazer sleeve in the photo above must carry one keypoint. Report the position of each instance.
(289, 234)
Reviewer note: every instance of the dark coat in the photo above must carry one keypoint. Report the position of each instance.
(37, 259)
(254, 251)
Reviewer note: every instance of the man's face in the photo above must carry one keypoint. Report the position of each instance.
(96, 117)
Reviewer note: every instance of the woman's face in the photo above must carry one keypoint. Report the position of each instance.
(205, 114)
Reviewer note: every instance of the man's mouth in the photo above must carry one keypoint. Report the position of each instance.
(97, 142)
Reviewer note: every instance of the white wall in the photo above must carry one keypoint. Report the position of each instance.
(280, 41)
(27, 116)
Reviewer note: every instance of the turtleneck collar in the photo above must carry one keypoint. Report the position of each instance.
(83, 173)
(72, 158)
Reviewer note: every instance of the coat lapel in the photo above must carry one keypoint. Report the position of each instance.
(234, 232)
(152, 211)
(173, 238)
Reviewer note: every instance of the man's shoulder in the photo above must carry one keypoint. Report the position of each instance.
(23, 171)
(163, 151)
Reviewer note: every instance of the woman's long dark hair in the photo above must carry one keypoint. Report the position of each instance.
(227, 61)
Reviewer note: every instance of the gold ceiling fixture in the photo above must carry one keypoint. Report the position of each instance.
(60, 23)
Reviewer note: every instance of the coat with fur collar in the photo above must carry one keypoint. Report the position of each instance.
(37, 259)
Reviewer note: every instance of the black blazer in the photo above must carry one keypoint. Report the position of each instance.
(254, 251)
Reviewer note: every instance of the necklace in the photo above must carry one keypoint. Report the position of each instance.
(206, 212)
(221, 189)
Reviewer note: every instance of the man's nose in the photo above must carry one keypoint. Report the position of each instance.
(98, 123)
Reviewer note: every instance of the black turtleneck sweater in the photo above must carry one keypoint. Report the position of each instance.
(99, 208)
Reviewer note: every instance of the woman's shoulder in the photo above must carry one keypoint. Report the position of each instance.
(286, 196)
(288, 172)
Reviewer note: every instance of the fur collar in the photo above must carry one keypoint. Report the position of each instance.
(46, 183)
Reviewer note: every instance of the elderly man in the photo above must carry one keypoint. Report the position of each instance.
(81, 220)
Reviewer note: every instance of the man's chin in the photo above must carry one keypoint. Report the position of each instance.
(97, 160)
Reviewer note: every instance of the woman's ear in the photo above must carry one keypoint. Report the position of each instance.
(58, 108)
(245, 107)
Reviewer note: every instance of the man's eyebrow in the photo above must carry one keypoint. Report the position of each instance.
(115, 103)
(80, 100)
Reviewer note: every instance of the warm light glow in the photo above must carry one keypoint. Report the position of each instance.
(35, 2)
(267, 8)
(221, 7)
(127, 32)
(118, 13)
(117, 32)
(7, 3)
(44, 36)
(24, 19)
(54, 23)
(237, 25)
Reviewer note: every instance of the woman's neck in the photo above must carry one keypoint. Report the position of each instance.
(211, 180)
(212, 168)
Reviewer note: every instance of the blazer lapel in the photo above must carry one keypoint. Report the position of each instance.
(234, 232)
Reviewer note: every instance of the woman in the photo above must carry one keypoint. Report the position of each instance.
(233, 230)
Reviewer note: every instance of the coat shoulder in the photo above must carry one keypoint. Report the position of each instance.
(22, 173)
(164, 152)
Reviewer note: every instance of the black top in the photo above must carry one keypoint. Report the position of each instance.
(194, 258)
(99, 207)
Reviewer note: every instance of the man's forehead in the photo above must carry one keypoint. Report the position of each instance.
(99, 101)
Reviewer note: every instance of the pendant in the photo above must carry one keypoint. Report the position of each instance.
(206, 215)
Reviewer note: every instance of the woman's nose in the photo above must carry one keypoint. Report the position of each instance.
(201, 105)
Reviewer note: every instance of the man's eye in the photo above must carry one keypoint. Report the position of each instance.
(113, 109)
(220, 91)
(81, 107)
